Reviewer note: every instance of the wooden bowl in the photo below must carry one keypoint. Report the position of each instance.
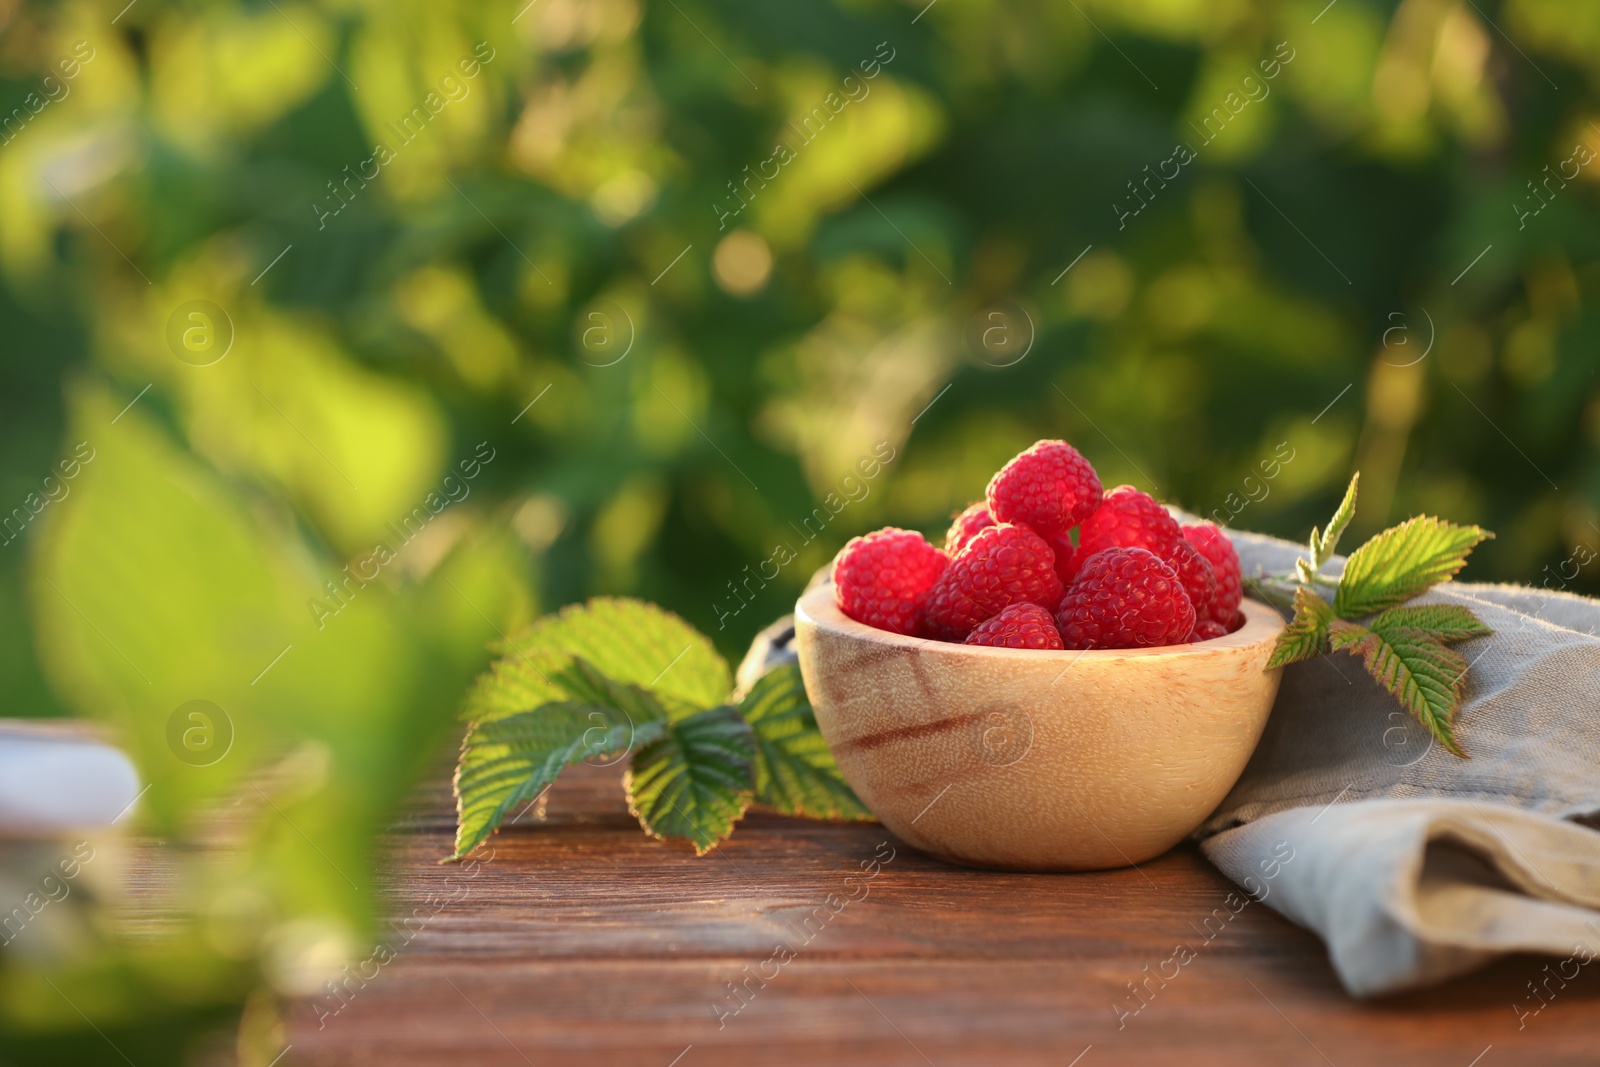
(1028, 760)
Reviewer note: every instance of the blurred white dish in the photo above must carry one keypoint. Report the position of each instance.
(57, 777)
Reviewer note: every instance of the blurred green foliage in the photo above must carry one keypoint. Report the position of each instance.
(1192, 238)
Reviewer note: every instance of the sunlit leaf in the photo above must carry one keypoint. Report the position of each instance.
(1402, 562)
(696, 779)
(156, 584)
(1324, 545)
(507, 761)
(1446, 622)
(795, 773)
(628, 641)
(524, 680)
(1307, 633)
(1416, 667)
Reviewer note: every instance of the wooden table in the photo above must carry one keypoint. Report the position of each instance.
(581, 941)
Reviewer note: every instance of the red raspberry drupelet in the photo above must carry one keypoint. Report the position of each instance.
(1003, 565)
(1067, 559)
(966, 526)
(883, 578)
(1125, 598)
(1214, 545)
(1129, 518)
(1049, 488)
(1194, 574)
(1019, 626)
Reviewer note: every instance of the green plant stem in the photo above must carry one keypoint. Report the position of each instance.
(1274, 590)
(1278, 589)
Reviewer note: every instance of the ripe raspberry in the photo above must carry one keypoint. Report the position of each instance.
(1068, 559)
(1128, 518)
(1125, 598)
(1050, 488)
(1206, 629)
(883, 578)
(1195, 574)
(966, 527)
(1019, 626)
(1214, 545)
(1001, 566)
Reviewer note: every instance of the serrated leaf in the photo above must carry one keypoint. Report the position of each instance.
(636, 643)
(522, 682)
(795, 774)
(1343, 636)
(1307, 633)
(509, 760)
(696, 779)
(1446, 622)
(1402, 562)
(1416, 667)
(1323, 546)
(515, 683)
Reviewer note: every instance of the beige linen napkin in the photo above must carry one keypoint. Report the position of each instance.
(1412, 864)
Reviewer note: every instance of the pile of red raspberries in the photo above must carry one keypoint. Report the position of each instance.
(1048, 560)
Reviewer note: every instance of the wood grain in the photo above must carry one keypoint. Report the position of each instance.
(1053, 761)
(581, 941)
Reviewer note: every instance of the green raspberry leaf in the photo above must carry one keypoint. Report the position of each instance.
(794, 772)
(516, 683)
(1307, 633)
(1402, 562)
(523, 681)
(508, 760)
(1416, 667)
(1324, 545)
(695, 780)
(637, 643)
(628, 641)
(1448, 623)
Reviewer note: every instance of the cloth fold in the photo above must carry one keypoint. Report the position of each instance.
(1411, 892)
(1414, 865)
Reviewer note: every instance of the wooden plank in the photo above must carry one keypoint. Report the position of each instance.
(583, 941)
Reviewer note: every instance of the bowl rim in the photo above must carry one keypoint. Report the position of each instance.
(1262, 623)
